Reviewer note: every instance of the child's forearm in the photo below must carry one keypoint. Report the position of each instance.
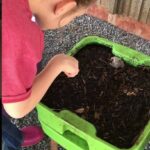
(39, 88)
(41, 84)
(57, 64)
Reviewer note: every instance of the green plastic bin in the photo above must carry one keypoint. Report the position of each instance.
(75, 133)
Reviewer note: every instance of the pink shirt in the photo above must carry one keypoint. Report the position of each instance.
(22, 46)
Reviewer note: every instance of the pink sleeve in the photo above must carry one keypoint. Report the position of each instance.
(17, 79)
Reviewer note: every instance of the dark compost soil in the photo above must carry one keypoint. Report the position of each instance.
(116, 101)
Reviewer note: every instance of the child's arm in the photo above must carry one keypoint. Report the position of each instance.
(59, 63)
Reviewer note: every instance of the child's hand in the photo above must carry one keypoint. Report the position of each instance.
(68, 64)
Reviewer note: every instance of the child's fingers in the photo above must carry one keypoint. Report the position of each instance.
(73, 74)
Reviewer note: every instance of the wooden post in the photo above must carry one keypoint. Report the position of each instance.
(110, 5)
(145, 10)
(148, 18)
(135, 9)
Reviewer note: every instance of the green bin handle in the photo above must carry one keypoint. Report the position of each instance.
(81, 132)
(76, 132)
